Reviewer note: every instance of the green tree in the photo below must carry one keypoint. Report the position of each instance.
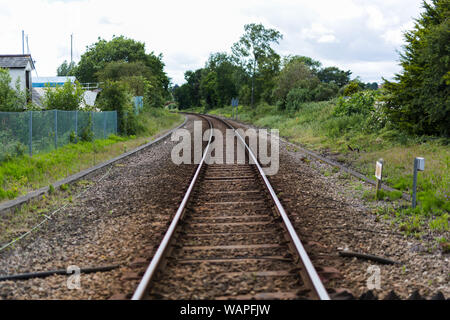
(313, 65)
(208, 89)
(138, 77)
(334, 75)
(115, 96)
(229, 77)
(294, 75)
(419, 101)
(120, 49)
(266, 78)
(117, 70)
(66, 97)
(193, 79)
(182, 96)
(10, 99)
(253, 48)
(66, 69)
(352, 88)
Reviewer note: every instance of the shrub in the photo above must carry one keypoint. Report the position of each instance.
(325, 91)
(10, 99)
(73, 138)
(296, 97)
(20, 149)
(86, 133)
(350, 89)
(115, 96)
(66, 97)
(360, 103)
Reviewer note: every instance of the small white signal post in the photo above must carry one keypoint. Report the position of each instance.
(379, 176)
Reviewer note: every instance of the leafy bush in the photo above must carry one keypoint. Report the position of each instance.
(325, 91)
(73, 138)
(86, 133)
(350, 89)
(20, 149)
(115, 96)
(359, 103)
(67, 97)
(296, 97)
(10, 99)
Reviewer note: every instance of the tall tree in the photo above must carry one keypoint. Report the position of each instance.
(228, 76)
(420, 101)
(193, 79)
(66, 69)
(253, 47)
(98, 55)
(334, 75)
(295, 75)
(312, 64)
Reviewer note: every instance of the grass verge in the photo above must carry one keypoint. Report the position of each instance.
(23, 174)
(350, 140)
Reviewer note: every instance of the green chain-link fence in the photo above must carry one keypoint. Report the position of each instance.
(40, 131)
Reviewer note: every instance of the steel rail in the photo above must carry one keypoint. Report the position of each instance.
(158, 257)
(312, 273)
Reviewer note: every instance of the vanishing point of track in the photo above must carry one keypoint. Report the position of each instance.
(230, 239)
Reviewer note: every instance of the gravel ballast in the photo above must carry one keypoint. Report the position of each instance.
(330, 215)
(122, 219)
(119, 220)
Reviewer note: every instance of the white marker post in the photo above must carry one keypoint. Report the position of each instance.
(379, 176)
(419, 165)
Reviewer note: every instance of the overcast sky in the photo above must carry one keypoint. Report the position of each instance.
(359, 35)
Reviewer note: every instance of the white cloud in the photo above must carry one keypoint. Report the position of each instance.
(376, 20)
(186, 32)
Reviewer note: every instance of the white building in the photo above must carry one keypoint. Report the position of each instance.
(19, 67)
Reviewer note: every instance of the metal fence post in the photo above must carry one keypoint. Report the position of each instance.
(56, 129)
(115, 121)
(104, 125)
(92, 120)
(30, 130)
(76, 124)
(419, 165)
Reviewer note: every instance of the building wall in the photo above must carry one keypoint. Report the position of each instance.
(17, 74)
(20, 74)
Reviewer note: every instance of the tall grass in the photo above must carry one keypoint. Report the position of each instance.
(316, 126)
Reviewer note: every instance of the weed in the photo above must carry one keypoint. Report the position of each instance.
(346, 176)
(51, 189)
(440, 223)
(412, 225)
(327, 173)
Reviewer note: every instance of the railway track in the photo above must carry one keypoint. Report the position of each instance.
(230, 239)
